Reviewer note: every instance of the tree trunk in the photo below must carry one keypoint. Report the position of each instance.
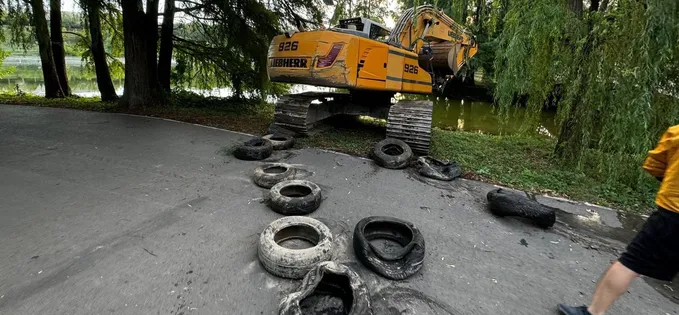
(594, 6)
(165, 54)
(104, 82)
(478, 19)
(463, 13)
(568, 127)
(576, 6)
(58, 45)
(565, 133)
(49, 70)
(604, 5)
(504, 7)
(140, 30)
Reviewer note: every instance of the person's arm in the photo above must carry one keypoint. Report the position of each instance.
(656, 160)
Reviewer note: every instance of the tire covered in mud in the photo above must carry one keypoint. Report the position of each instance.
(280, 141)
(438, 169)
(398, 265)
(392, 153)
(295, 197)
(294, 263)
(253, 149)
(268, 175)
(505, 203)
(325, 280)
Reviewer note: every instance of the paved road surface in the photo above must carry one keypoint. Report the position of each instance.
(115, 214)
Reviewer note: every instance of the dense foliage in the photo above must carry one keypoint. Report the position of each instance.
(224, 43)
(376, 10)
(612, 68)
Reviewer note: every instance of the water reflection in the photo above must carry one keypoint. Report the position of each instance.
(464, 115)
(28, 78)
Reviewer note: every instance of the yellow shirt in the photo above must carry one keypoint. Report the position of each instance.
(663, 162)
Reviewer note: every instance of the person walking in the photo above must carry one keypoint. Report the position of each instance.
(654, 251)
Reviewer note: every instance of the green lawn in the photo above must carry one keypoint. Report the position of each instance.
(518, 161)
(526, 162)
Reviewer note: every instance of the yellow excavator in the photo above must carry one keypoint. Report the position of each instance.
(420, 53)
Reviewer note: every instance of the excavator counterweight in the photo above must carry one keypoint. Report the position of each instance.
(370, 61)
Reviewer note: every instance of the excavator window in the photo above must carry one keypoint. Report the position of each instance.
(363, 27)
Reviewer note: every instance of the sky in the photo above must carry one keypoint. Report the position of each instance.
(70, 5)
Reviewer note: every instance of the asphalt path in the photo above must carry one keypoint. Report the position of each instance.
(118, 214)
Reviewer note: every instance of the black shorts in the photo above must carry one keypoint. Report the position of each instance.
(654, 252)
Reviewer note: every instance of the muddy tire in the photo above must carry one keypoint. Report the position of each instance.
(392, 153)
(294, 263)
(438, 169)
(268, 175)
(280, 141)
(328, 279)
(295, 197)
(253, 150)
(396, 265)
(506, 203)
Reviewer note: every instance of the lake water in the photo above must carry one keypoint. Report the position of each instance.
(466, 115)
(451, 114)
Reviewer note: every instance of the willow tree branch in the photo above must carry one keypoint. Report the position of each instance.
(73, 33)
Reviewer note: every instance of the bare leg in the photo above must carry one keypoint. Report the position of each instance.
(611, 286)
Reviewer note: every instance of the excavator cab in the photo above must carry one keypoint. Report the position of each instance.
(363, 27)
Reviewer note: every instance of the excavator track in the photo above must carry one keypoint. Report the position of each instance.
(410, 121)
(300, 112)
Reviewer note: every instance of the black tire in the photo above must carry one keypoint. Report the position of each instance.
(505, 203)
(268, 175)
(438, 169)
(392, 153)
(328, 279)
(280, 141)
(295, 197)
(294, 263)
(253, 149)
(397, 266)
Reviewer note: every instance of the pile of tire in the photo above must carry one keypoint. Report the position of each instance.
(396, 154)
(324, 278)
(261, 148)
(295, 198)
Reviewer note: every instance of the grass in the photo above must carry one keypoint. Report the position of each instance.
(526, 162)
(517, 161)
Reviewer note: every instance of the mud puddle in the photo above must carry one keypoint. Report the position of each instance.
(592, 225)
(403, 301)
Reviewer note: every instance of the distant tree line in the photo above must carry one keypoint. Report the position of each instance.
(212, 43)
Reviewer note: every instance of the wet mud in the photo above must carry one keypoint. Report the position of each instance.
(403, 301)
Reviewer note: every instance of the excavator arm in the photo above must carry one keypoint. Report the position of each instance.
(452, 45)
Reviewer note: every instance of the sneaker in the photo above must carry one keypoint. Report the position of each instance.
(571, 310)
